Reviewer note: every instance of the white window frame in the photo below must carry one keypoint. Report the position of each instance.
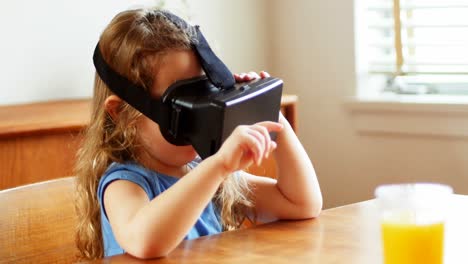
(373, 112)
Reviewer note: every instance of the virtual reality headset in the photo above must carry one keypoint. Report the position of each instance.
(201, 111)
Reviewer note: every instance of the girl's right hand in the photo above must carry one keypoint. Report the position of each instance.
(247, 144)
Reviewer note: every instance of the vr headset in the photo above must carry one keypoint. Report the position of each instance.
(201, 111)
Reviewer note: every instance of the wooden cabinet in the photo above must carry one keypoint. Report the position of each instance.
(39, 141)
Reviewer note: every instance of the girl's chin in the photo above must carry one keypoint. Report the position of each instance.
(189, 152)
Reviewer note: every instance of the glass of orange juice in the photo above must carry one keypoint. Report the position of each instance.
(412, 222)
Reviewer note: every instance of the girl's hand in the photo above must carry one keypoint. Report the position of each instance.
(247, 144)
(247, 77)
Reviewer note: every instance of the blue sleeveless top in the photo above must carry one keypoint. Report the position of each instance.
(153, 184)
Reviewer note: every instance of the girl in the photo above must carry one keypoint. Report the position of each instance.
(139, 194)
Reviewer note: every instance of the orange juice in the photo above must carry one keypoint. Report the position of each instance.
(405, 243)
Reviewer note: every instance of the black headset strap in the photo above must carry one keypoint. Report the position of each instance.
(133, 94)
(214, 68)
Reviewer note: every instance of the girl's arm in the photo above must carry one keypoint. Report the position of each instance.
(296, 192)
(153, 228)
(148, 229)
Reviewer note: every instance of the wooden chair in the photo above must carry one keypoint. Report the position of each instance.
(37, 223)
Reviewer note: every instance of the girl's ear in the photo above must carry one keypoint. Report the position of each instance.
(112, 105)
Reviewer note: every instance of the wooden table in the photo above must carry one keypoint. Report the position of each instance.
(348, 234)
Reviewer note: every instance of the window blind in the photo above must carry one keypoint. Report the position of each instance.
(420, 42)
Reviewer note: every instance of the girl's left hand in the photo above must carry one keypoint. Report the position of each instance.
(247, 77)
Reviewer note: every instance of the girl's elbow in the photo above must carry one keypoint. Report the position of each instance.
(315, 212)
(311, 213)
(148, 250)
(314, 209)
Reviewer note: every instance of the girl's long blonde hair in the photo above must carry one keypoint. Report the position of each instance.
(133, 44)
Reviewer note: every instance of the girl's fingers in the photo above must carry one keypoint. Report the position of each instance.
(262, 133)
(265, 128)
(253, 146)
(253, 75)
(266, 135)
(271, 126)
(248, 143)
(253, 141)
(264, 74)
(247, 77)
(261, 142)
(242, 77)
(273, 147)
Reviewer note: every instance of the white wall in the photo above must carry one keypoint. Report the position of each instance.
(46, 46)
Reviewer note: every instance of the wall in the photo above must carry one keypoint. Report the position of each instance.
(314, 53)
(47, 46)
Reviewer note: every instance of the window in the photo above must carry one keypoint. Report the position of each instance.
(415, 46)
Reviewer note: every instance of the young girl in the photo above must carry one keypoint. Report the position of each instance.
(139, 194)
